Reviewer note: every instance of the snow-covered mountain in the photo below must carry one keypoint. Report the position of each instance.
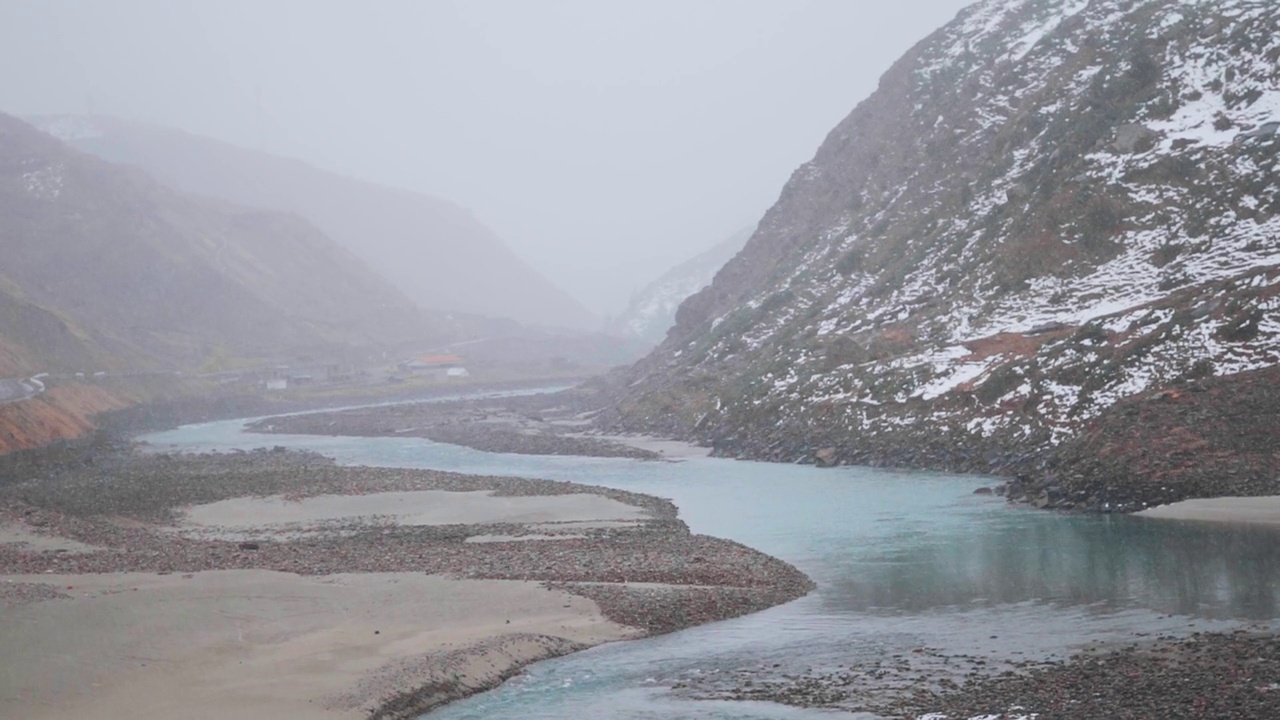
(652, 310)
(1046, 207)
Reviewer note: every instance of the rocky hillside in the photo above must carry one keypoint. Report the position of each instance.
(435, 252)
(1047, 206)
(652, 310)
(102, 268)
(1210, 437)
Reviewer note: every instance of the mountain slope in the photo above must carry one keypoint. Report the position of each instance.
(32, 338)
(435, 252)
(103, 268)
(1046, 207)
(652, 310)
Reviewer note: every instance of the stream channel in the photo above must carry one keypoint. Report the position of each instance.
(905, 562)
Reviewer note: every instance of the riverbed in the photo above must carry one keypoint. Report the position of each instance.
(908, 565)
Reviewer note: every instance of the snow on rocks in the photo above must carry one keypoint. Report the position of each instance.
(1101, 168)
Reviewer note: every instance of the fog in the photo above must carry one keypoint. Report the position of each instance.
(603, 142)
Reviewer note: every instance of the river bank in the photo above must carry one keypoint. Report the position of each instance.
(914, 683)
(1212, 438)
(1263, 510)
(1215, 437)
(548, 424)
(1233, 676)
(130, 573)
(73, 421)
(1197, 436)
(184, 409)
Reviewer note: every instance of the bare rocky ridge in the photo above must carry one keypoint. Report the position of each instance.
(1045, 208)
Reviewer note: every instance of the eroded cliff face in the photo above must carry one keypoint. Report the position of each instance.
(64, 412)
(1045, 208)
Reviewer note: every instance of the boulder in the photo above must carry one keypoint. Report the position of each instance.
(826, 456)
(1134, 138)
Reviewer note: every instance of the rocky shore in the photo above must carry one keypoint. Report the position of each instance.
(1232, 677)
(1229, 676)
(132, 515)
(1212, 437)
(1197, 438)
(530, 425)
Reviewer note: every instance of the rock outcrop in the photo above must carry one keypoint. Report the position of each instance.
(64, 412)
(1046, 208)
(1212, 437)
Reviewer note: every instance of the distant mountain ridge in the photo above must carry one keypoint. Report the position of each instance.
(102, 268)
(1045, 208)
(652, 310)
(435, 252)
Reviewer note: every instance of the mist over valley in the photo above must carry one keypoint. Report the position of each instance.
(570, 359)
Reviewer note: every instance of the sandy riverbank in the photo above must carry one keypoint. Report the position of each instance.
(277, 584)
(246, 518)
(258, 644)
(1258, 510)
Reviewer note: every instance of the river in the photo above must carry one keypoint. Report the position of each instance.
(904, 561)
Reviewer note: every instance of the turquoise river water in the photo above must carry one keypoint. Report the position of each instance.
(902, 560)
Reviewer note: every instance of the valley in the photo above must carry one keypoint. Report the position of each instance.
(981, 419)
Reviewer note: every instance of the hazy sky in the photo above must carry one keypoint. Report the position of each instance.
(604, 141)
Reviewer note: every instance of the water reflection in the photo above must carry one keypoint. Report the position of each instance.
(1170, 567)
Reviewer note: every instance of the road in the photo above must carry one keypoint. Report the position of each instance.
(16, 389)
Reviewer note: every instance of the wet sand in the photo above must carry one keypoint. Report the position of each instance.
(255, 516)
(258, 644)
(278, 584)
(23, 538)
(1257, 510)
